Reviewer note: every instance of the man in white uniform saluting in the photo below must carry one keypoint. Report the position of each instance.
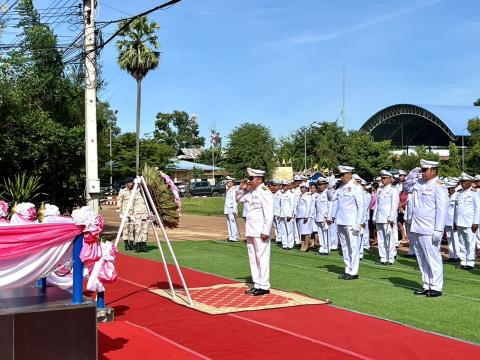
(257, 230)
(429, 214)
(350, 214)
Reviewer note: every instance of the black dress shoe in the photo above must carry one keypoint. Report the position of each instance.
(343, 276)
(250, 291)
(461, 267)
(260, 292)
(467, 267)
(421, 292)
(382, 263)
(434, 293)
(390, 263)
(351, 277)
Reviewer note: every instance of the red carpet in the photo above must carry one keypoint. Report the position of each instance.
(306, 332)
(123, 340)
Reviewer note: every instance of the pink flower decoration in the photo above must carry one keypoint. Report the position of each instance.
(31, 214)
(3, 209)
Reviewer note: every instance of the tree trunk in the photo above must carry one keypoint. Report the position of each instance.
(137, 144)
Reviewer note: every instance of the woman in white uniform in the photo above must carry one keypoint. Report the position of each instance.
(303, 215)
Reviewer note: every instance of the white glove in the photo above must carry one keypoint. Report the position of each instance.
(437, 235)
(121, 216)
(331, 181)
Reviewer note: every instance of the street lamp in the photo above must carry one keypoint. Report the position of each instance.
(305, 142)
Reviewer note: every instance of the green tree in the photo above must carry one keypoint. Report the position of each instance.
(250, 145)
(412, 160)
(42, 123)
(453, 166)
(137, 54)
(178, 129)
(152, 153)
(367, 156)
(472, 158)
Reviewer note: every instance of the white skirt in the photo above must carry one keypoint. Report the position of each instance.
(304, 229)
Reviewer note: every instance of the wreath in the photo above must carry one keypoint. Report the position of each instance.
(164, 194)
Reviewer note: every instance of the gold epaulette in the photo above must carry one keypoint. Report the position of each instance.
(474, 189)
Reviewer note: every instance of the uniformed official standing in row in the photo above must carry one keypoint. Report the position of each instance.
(322, 206)
(287, 213)
(257, 230)
(384, 216)
(467, 218)
(429, 214)
(230, 210)
(349, 216)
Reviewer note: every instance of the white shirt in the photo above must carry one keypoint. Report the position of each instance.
(322, 206)
(429, 204)
(260, 212)
(304, 206)
(287, 210)
(277, 202)
(451, 209)
(231, 206)
(467, 208)
(350, 208)
(386, 208)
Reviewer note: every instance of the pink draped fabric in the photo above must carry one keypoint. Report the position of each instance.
(27, 239)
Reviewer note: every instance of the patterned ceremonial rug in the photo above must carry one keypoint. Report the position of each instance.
(228, 298)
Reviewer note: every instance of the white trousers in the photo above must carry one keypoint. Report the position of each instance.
(296, 233)
(429, 260)
(333, 235)
(278, 229)
(411, 246)
(287, 233)
(466, 239)
(364, 238)
(232, 227)
(453, 244)
(386, 243)
(350, 248)
(323, 238)
(259, 257)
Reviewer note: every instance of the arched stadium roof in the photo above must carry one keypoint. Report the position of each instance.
(412, 125)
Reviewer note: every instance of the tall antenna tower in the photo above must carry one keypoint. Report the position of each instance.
(343, 117)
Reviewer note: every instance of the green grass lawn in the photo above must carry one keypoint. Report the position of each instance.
(205, 206)
(381, 291)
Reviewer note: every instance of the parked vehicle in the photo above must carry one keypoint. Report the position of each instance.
(181, 188)
(204, 188)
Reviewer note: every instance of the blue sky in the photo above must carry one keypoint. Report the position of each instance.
(279, 63)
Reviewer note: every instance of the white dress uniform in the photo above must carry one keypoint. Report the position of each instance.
(429, 214)
(365, 236)
(277, 205)
(386, 210)
(230, 210)
(349, 216)
(296, 235)
(467, 213)
(408, 224)
(287, 220)
(314, 223)
(321, 215)
(452, 235)
(304, 211)
(332, 229)
(259, 221)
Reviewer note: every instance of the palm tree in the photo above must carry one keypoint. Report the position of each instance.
(137, 53)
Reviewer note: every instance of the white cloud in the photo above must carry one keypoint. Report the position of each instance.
(312, 38)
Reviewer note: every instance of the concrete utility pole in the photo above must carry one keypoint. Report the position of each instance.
(92, 188)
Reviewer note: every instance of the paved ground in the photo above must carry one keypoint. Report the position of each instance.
(192, 227)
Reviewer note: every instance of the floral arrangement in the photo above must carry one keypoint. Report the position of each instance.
(164, 194)
(173, 188)
(4, 210)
